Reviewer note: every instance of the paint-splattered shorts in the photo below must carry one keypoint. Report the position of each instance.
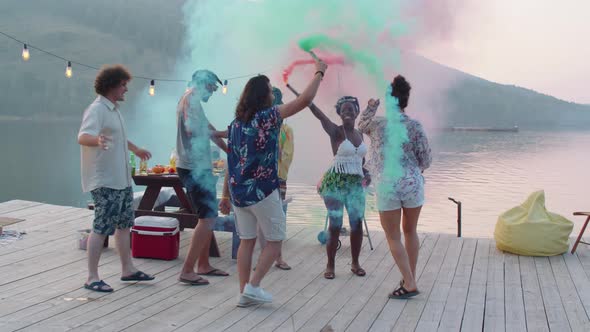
(113, 209)
(201, 192)
(343, 191)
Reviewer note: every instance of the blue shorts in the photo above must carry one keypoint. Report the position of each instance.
(113, 209)
(201, 192)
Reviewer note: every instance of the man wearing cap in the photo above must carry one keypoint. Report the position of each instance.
(194, 168)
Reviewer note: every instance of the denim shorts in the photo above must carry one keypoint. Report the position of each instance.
(113, 209)
(396, 201)
(201, 192)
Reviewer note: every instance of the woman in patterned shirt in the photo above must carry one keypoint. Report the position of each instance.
(405, 194)
(252, 181)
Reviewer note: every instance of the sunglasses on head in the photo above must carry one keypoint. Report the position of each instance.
(347, 99)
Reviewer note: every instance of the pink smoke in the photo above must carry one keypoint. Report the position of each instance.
(330, 60)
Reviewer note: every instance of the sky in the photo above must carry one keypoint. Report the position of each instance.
(538, 44)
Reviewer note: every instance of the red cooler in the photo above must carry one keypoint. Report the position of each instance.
(155, 237)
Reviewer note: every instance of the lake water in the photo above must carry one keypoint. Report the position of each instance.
(489, 172)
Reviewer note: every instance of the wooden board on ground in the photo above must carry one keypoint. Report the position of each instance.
(466, 284)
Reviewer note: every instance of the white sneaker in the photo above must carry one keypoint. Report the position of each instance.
(245, 302)
(257, 294)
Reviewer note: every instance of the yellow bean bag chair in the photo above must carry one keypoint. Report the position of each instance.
(531, 230)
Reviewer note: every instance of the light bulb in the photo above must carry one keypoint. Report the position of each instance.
(26, 54)
(69, 70)
(224, 88)
(152, 90)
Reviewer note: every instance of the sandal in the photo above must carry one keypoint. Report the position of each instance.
(197, 282)
(215, 273)
(401, 293)
(329, 275)
(99, 286)
(283, 266)
(359, 271)
(138, 276)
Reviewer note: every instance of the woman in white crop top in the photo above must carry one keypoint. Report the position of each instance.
(342, 185)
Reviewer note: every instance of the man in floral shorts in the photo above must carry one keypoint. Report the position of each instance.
(107, 176)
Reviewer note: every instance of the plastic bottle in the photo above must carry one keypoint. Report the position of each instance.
(132, 163)
(173, 160)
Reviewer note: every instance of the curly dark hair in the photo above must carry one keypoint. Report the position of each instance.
(400, 88)
(255, 97)
(348, 99)
(110, 77)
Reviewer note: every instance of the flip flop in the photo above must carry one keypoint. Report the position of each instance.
(197, 282)
(215, 273)
(329, 275)
(98, 286)
(138, 276)
(283, 266)
(358, 271)
(402, 293)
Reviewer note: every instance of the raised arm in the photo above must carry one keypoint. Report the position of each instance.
(329, 126)
(306, 97)
(367, 123)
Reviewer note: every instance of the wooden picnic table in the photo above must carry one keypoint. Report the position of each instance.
(187, 217)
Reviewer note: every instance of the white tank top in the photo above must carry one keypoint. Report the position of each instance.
(349, 158)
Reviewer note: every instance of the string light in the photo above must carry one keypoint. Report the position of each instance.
(224, 88)
(152, 90)
(26, 54)
(69, 69)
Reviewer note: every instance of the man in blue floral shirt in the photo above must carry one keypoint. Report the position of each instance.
(252, 178)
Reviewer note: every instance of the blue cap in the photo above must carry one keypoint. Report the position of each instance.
(204, 76)
(278, 96)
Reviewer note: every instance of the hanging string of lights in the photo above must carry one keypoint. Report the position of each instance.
(26, 56)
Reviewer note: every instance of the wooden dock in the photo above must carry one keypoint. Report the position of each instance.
(466, 284)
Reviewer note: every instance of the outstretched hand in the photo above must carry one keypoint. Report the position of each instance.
(373, 103)
(143, 154)
(319, 64)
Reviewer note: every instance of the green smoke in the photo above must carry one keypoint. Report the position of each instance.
(395, 131)
(241, 37)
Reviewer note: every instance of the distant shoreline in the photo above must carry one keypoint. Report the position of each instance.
(15, 118)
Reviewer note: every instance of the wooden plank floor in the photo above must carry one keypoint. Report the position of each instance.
(466, 284)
